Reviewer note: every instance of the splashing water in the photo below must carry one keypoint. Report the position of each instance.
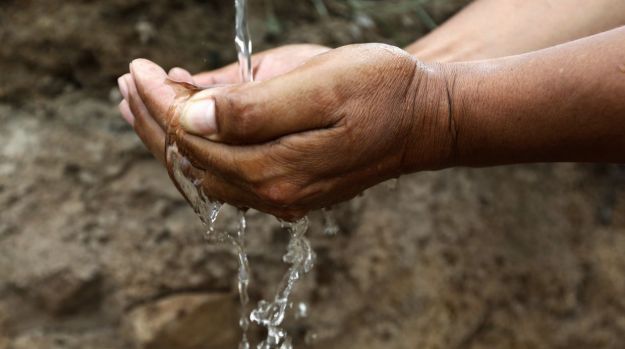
(331, 227)
(271, 314)
(301, 257)
(243, 278)
(208, 211)
(299, 252)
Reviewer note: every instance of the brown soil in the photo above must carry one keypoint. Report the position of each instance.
(92, 231)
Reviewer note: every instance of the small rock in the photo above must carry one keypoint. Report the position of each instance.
(40, 339)
(4, 328)
(188, 321)
(66, 290)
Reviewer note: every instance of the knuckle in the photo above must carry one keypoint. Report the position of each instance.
(242, 121)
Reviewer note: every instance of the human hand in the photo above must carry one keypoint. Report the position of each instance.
(344, 121)
(265, 65)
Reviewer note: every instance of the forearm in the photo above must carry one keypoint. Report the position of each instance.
(499, 28)
(565, 103)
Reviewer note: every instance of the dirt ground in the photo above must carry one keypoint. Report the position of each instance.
(98, 250)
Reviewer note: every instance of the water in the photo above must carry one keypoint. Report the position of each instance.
(243, 41)
(300, 255)
(243, 277)
(331, 227)
(208, 211)
(271, 314)
(393, 184)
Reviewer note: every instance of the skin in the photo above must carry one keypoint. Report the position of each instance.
(266, 65)
(561, 104)
(371, 112)
(272, 154)
(498, 28)
(484, 29)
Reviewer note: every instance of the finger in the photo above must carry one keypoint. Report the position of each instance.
(124, 109)
(261, 111)
(123, 87)
(247, 166)
(230, 74)
(227, 75)
(145, 126)
(214, 187)
(234, 196)
(218, 188)
(263, 173)
(274, 187)
(179, 74)
(157, 94)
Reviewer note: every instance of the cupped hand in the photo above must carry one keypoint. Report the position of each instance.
(342, 122)
(265, 65)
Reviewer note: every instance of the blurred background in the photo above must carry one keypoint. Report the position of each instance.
(99, 251)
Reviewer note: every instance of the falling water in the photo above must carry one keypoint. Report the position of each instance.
(243, 41)
(208, 211)
(271, 314)
(243, 44)
(331, 226)
(189, 180)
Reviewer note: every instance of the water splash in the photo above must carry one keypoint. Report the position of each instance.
(331, 227)
(238, 241)
(301, 310)
(271, 314)
(208, 211)
(190, 186)
(393, 184)
(299, 253)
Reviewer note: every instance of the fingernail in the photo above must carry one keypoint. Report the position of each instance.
(199, 117)
(123, 87)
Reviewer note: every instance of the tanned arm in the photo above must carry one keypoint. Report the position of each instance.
(498, 28)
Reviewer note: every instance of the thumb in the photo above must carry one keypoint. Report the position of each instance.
(260, 111)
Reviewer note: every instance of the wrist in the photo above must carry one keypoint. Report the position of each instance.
(494, 107)
(432, 141)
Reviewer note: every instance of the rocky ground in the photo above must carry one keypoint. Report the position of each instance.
(98, 250)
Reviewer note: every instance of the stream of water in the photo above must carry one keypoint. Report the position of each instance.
(269, 313)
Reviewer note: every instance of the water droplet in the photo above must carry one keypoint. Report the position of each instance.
(331, 226)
